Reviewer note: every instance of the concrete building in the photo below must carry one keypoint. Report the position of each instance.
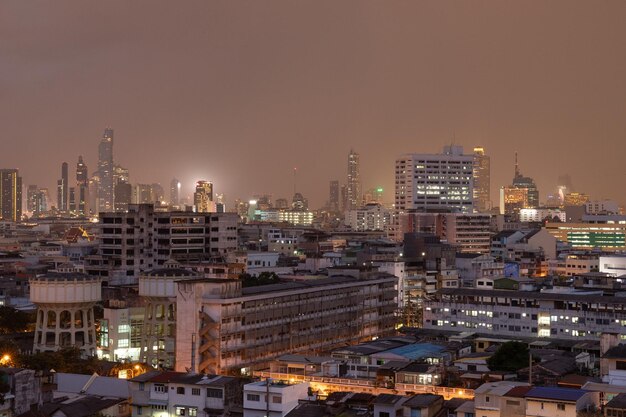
(227, 329)
(105, 183)
(65, 301)
(372, 216)
(613, 265)
(493, 399)
(602, 207)
(435, 182)
(203, 197)
(568, 265)
(158, 336)
(120, 333)
(572, 315)
(142, 239)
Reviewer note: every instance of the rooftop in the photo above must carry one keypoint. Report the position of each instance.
(556, 393)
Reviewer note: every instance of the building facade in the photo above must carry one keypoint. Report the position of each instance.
(10, 195)
(482, 180)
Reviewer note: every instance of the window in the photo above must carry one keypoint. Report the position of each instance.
(180, 390)
(383, 414)
(139, 410)
(277, 399)
(621, 365)
(487, 399)
(193, 411)
(122, 343)
(142, 386)
(469, 414)
(195, 391)
(180, 411)
(560, 407)
(253, 397)
(214, 393)
(123, 328)
(159, 388)
(416, 412)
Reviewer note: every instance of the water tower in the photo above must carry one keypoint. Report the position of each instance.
(65, 300)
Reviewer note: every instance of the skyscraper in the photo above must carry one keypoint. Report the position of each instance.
(354, 182)
(520, 181)
(31, 198)
(62, 189)
(175, 192)
(203, 197)
(10, 195)
(333, 199)
(105, 172)
(482, 181)
(82, 186)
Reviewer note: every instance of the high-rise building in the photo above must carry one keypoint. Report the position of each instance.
(354, 182)
(482, 184)
(435, 182)
(123, 196)
(31, 198)
(175, 192)
(333, 199)
(10, 195)
(203, 197)
(373, 195)
(82, 187)
(513, 199)
(105, 172)
(520, 181)
(63, 189)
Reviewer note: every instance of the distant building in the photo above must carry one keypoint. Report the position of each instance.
(482, 180)
(106, 182)
(333, 198)
(354, 182)
(575, 199)
(10, 195)
(82, 187)
(602, 207)
(62, 189)
(540, 214)
(203, 197)
(175, 186)
(372, 216)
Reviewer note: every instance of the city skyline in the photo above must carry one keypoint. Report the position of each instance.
(182, 105)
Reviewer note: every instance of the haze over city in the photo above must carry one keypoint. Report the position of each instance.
(239, 93)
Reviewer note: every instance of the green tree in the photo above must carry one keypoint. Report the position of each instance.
(13, 321)
(264, 278)
(510, 357)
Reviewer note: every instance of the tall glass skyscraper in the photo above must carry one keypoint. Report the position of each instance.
(482, 180)
(10, 195)
(105, 171)
(354, 182)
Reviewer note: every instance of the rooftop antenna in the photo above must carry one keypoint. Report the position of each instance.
(516, 166)
(295, 171)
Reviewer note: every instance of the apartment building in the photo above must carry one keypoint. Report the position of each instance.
(272, 398)
(571, 314)
(229, 329)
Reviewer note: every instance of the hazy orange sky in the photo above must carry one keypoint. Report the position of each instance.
(240, 92)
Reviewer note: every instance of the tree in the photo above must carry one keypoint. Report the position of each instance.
(510, 357)
(264, 278)
(13, 321)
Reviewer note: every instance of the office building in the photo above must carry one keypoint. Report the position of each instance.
(513, 199)
(175, 187)
(527, 183)
(353, 189)
(606, 232)
(482, 180)
(31, 198)
(203, 197)
(435, 182)
(10, 195)
(224, 328)
(575, 199)
(123, 196)
(106, 182)
(333, 198)
(62, 189)
(602, 207)
(82, 187)
(541, 214)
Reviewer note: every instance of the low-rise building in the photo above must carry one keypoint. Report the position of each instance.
(272, 398)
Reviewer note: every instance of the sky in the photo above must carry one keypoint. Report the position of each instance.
(241, 92)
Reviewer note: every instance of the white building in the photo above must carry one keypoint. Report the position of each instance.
(602, 207)
(614, 265)
(372, 216)
(119, 337)
(435, 181)
(538, 214)
(276, 396)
